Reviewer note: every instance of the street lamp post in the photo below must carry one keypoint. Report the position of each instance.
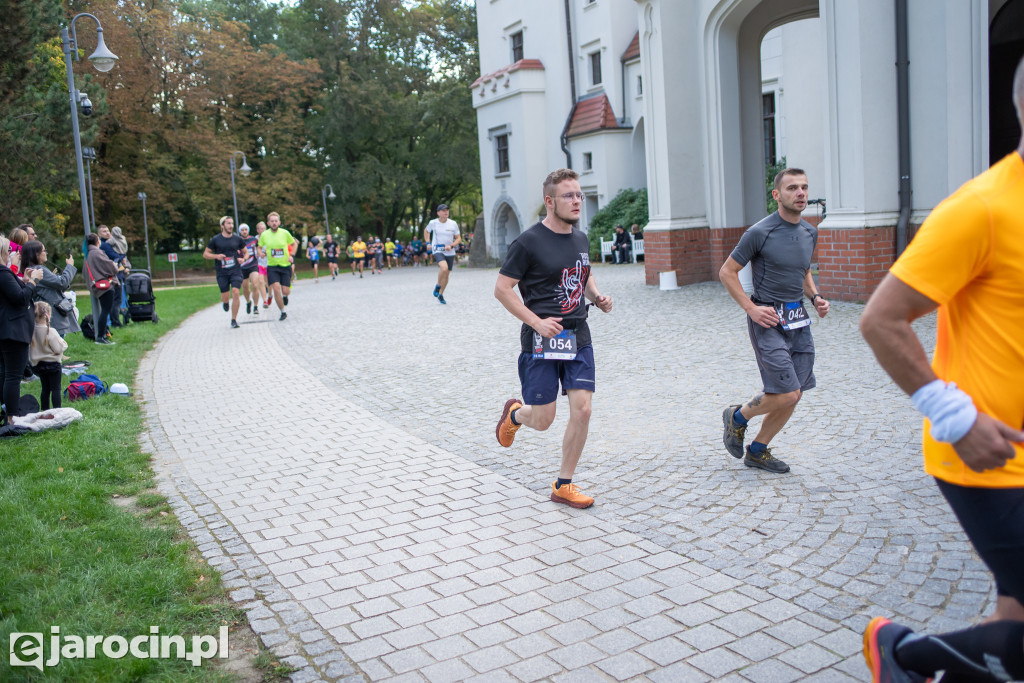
(325, 196)
(245, 170)
(145, 226)
(103, 60)
(89, 154)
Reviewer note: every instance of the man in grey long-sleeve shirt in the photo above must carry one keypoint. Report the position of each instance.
(779, 250)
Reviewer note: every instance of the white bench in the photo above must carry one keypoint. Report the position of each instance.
(606, 248)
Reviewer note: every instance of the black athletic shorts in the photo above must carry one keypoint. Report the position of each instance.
(450, 260)
(994, 522)
(229, 278)
(246, 272)
(279, 274)
(332, 259)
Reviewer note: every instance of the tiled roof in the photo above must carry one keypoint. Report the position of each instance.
(633, 51)
(515, 66)
(593, 113)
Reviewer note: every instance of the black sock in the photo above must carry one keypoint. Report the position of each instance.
(562, 482)
(993, 652)
(512, 416)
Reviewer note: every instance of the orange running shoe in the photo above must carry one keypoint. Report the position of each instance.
(569, 494)
(506, 430)
(880, 640)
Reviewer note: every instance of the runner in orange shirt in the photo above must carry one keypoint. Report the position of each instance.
(967, 261)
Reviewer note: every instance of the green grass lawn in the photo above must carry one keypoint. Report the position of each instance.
(71, 556)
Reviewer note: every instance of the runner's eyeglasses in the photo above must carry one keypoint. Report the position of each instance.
(570, 196)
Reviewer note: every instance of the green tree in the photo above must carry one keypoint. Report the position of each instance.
(770, 171)
(38, 174)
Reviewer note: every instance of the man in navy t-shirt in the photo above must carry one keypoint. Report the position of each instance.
(550, 263)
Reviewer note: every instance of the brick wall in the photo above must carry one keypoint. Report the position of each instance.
(688, 252)
(852, 262)
(723, 241)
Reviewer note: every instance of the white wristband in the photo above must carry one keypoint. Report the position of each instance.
(950, 410)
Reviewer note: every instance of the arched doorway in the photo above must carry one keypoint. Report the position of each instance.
(506, 228)
(1005, 49)
(734, 102)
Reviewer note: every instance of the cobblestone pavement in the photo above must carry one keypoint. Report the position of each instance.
(362, 513)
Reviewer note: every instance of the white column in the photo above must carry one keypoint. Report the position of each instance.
(670, 40)
(862, 171)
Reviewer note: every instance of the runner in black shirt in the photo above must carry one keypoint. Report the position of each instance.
(250, 272)
(228, 250)
(551, 264)
(331, 249)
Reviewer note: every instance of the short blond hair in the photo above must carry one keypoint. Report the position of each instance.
(5, 249)
(273, 213)
(555, 178)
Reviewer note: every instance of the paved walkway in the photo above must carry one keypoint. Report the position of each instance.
(361, 512)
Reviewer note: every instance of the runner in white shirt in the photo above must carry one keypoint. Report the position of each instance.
(443, 236)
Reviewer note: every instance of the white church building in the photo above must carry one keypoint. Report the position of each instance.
(889, 105)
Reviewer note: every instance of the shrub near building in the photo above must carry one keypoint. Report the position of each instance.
(628, 207)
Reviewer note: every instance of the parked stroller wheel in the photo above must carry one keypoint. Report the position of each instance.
(156, 318)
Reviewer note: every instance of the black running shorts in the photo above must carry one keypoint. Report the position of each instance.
(993, 520)
(279, 274)
(229, 278)
(450, 260)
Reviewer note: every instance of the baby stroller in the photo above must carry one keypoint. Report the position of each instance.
(138, 287)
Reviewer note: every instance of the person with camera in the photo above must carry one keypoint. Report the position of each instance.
(17, 323)
(52, 286)
(100, 274)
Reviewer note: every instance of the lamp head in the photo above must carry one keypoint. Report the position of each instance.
(332, 195)
(102, 59)
(142, 196)
(245, 170)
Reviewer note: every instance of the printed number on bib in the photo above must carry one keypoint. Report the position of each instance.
(227, 263)
(277, 253)
(793, 315)
(560, 347)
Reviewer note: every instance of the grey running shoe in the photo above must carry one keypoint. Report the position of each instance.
(283, 315)
(765, 461)
(732, 437)
(234, 324)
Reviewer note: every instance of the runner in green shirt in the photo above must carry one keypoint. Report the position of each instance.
(277, 243)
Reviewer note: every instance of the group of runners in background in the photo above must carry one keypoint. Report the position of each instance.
(261, 267)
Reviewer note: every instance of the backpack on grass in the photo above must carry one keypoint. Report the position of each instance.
(86, 386)
(87, 329)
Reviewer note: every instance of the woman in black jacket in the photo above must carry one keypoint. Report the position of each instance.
(16, 325)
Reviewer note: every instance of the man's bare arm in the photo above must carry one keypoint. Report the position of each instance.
(885, 325)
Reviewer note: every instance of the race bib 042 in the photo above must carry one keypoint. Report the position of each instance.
(792, 315)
